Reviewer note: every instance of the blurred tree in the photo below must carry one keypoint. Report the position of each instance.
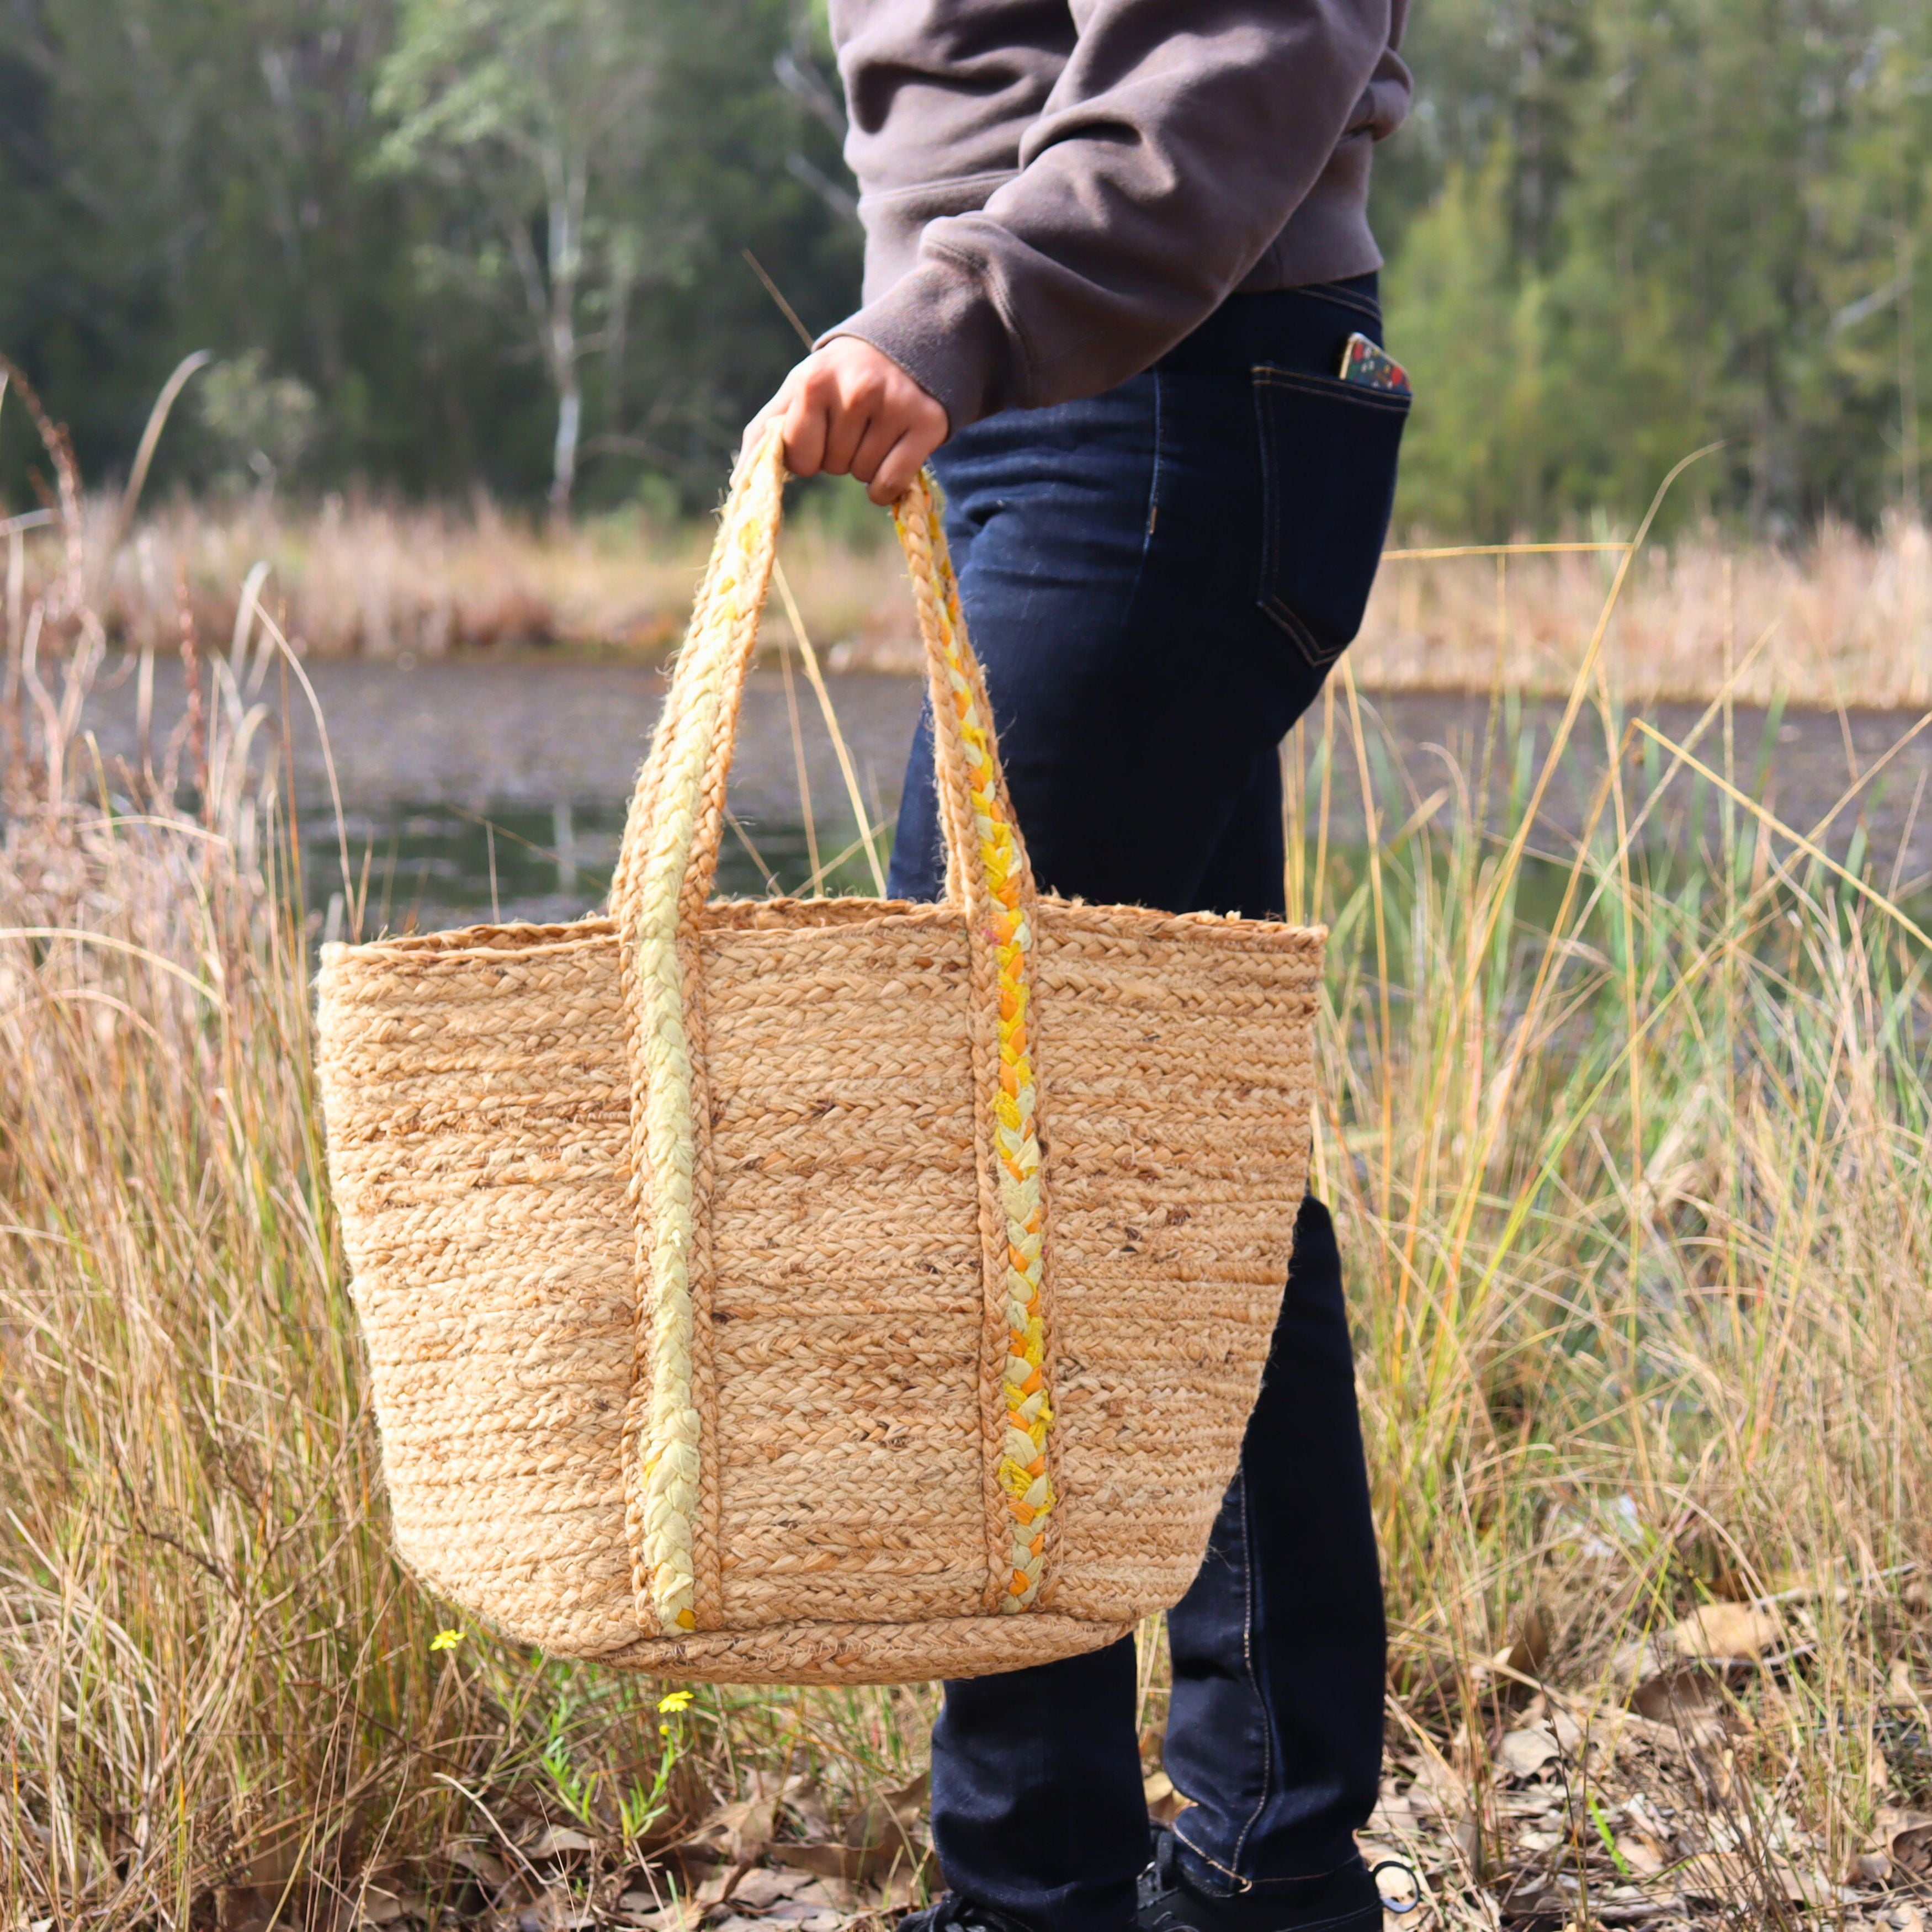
(1617, 229)
(182, 174)
(1471, 325)
(523, 110)
(265, 424)
(1712, 208)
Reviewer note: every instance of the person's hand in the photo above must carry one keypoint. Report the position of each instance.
(849, 410)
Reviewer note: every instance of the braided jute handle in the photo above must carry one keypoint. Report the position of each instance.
(665, 869)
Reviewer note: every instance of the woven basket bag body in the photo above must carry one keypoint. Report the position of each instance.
(816, 1291)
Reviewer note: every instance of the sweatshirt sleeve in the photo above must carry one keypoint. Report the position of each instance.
(1176, 144)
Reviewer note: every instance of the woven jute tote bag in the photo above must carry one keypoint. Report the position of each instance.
(835, 1290)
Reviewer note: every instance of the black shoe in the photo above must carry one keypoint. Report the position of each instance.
(952, 1913)
(1342, 1900)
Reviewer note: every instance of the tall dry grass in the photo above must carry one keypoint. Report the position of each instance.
(221, 1699)
(1844, 617)
(1630, 1153)
(358, 575)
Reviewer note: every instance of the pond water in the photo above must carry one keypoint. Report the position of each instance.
(417, 865)
(494, 786)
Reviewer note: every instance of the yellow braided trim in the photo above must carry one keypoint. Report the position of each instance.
(1023, 1463)
(671, 1440)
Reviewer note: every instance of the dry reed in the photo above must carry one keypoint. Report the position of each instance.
(359, 577)
(1848, 616)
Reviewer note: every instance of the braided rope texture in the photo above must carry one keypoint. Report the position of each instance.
(1022, 1472)
(741, 1393)
(666, 1148)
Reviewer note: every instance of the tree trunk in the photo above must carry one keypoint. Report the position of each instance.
(563, 460)
(566, 266)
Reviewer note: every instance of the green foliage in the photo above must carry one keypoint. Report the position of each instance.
(1618, 229)
(263, 424)
(336, 185)
(1626, 229)
(1471, 330)
(538, 110)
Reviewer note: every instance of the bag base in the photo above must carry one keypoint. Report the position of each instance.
(850, 1653)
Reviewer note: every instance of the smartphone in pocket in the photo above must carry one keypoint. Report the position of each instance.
(1372, 366)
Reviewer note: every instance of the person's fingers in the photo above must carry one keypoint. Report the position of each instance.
(754, 429)
(902, 464)
(882, 436)
(804, 428)
(854, 411)
(773, 415)
(890, 481)
(849, 410)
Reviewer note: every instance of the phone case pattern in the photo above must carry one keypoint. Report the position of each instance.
(1366, 363)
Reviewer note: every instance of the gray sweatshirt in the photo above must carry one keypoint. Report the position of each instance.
(1055, 192)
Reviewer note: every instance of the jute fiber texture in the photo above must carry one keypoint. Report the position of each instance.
(822, 1290)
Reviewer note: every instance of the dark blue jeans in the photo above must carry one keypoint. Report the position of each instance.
(1157, 581)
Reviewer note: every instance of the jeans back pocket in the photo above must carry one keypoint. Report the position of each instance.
(1328, 452)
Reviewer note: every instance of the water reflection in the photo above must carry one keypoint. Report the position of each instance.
(416, 865)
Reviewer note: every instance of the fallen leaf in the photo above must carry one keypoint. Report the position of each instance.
(819, 1892)
(378, 1905)
(681, 1917)
(891, 1817)
(664, 1913)
(884, 1837)
(1727, 1631)
(1524, 1752)
(805, 1802)
(554, 1910)
(1687, 1702)
(1393, 1817)
(1439, 1787)
(1530, 1652)
(1573, 1733)
(828, 1861)
(1809, 1889)
(555, 1840)
(1716, 1875)
(1641, 1853)
(907, 1885)
(243, 1908)
(1164, 1803)
(481, 1864)
(764, 1886)
(1893, 1823)
(1530, 1894)
(738, 1833)
(1629, 1731)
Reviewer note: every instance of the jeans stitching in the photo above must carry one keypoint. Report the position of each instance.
(1269, 375)
(1254, 1686)
(1318, 658)
(1264, 376)
(1342, 297)
(1254, 1683)
(1153, 509)
(1270, 488)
